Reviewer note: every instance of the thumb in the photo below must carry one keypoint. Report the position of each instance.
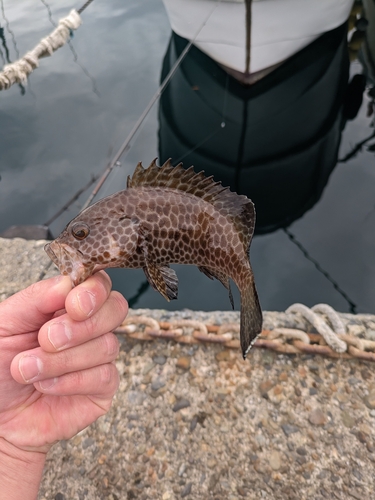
(30, 308)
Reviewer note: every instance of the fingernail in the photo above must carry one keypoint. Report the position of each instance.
(48, 384)
(30, 367)
(86, 301)
(59, 335)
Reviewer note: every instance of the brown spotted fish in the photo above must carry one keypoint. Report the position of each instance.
(167, 215)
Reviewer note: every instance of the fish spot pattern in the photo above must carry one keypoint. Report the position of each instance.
(167, 215)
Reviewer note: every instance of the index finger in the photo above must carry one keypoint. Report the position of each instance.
(86, 299)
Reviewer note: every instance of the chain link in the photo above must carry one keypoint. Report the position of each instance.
(281, 340)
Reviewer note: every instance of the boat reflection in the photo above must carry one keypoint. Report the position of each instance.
(276, 140)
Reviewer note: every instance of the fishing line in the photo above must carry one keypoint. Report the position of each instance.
(49, 12)
(73, 51)
(336, 286)
(9, 30)
(19, 71)
(84, 6)
(102, 180)
(126, 144)
(6, 59)
(225, 100)
(71, 201)
(75, 197)
(84, 69)
(212, 134)
(2, 36)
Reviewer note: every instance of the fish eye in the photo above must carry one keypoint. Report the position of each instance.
(80, 231)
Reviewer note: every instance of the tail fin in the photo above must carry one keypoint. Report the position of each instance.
(251, 317)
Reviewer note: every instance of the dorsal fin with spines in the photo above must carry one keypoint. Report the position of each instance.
(237, 207)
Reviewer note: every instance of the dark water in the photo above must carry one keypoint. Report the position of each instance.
(280, 142)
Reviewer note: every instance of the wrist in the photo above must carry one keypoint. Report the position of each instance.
(20, 472)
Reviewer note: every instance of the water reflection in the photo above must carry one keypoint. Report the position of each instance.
(276, 140)
(73, 51)
(6, 58)
(9, 30)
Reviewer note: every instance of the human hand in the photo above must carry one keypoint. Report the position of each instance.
(47, 392)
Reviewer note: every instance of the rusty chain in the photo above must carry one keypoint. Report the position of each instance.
(281, 340)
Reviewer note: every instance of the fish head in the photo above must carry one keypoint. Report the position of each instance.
(94, 240)
(69, 260)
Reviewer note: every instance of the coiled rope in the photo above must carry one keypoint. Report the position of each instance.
(332, 340)
(330, 335)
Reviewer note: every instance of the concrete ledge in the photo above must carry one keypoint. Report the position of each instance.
(22, 262)
(198, 422)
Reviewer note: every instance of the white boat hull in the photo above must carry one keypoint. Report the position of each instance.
(279, 28)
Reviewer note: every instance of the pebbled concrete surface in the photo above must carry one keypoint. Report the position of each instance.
(198, 422)
(22, 262)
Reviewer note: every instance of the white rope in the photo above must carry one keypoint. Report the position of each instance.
(330, 336)
(289, 333)
(334, 318)
(18, 71)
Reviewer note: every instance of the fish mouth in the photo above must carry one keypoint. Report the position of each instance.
(51, 254)
(69, 261)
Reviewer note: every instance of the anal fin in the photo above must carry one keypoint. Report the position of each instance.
(162, 279)
(223, 278)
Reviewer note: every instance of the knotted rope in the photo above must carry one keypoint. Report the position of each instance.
(333, 342)
(330, 336)
(18, 71)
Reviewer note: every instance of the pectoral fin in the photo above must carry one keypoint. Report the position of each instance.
(223, 278)
(162, 279)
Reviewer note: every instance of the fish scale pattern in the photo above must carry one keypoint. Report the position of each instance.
(166, 215)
